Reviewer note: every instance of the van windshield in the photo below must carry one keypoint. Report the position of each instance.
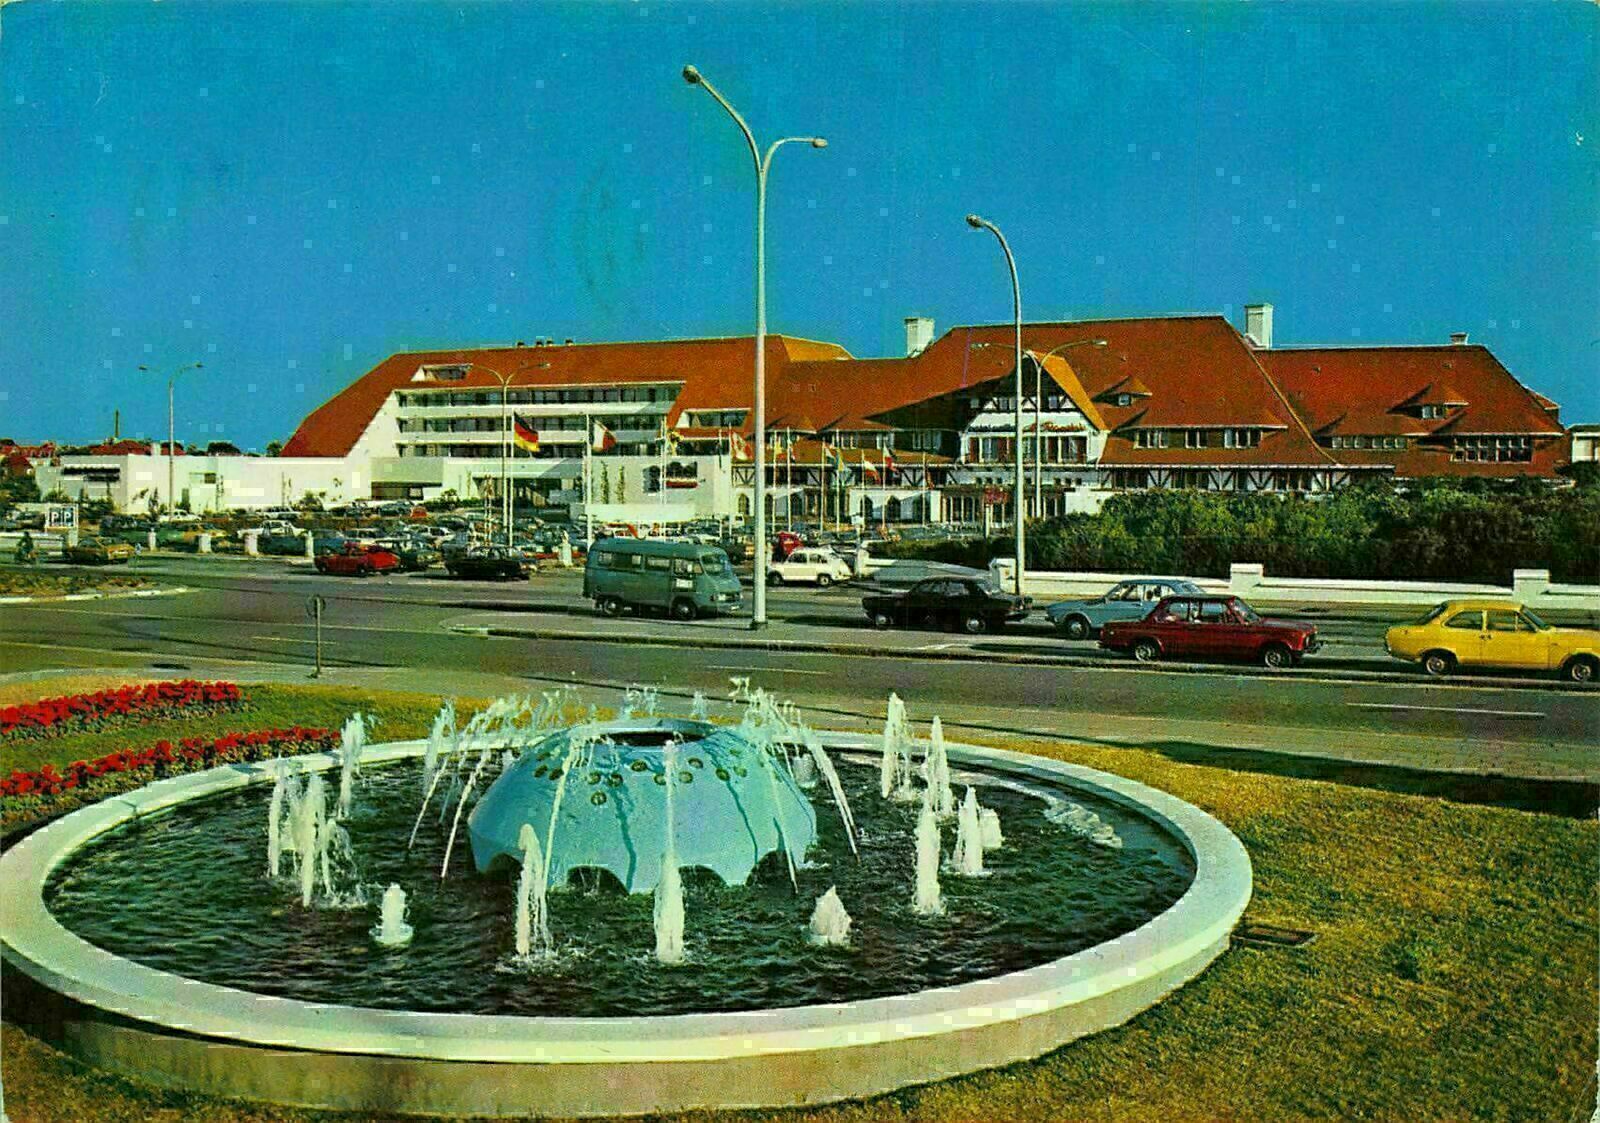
(716, 562)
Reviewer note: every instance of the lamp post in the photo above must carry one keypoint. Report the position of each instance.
(505, 381)
(1038, 405)
(763, 164)
(172, 499)
(1018, 518)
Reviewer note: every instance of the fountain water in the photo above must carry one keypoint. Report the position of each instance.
(698, 708)
(441, 739)
(824, 765)
(894, 776)
(461, 805)
(926, 901)
(1081, 821)
(967, 858)
(830, 924)
(310, 811)
(640, 701)
(805, 772)
(936, 772)
(533, 917)
(352, 738)
(668, 911)
(989, 824)
(507, 759)
(280, 788)
(392, 930)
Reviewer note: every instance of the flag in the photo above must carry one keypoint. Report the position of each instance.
(868, 468)
(738, 446)
(888, 460)
(525, 436)
(601, 439)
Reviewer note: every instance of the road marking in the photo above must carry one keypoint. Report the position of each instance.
(1445, 709)
(763, 670)
(296, 639)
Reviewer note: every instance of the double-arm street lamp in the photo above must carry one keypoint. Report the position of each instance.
(505, 380)
(763, 164)
(1018, 515)
(1038, 415)
(172, 498)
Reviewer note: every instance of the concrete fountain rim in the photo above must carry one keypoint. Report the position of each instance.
(1177, 943)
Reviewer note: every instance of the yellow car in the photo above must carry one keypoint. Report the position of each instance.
(98, 551)
(1494, 633)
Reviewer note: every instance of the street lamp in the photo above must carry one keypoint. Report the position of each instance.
(978, 223)
(1038, 405)
(763, 164)
(172, 500)
(505, 381)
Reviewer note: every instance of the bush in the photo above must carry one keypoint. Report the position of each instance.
(1465, 530)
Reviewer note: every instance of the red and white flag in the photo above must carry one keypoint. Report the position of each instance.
(602, 439)
(738, 446)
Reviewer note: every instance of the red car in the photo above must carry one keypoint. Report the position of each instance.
(359, 560)
(1210, 628)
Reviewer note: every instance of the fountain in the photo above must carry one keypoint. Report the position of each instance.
(926, 900)
(830, 924)
(392, 930)
(967, 858)
(519, 994)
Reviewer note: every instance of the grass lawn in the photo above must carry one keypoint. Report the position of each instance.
(1453, 976)
(57, 583)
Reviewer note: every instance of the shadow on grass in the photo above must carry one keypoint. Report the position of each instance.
(1571, 798)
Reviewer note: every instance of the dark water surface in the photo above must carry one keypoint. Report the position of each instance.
(187, 892)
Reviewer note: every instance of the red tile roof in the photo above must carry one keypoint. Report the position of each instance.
(715, 374)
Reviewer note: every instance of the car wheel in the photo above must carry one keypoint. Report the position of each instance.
(1580, 669)
(823, 580)
(974, 625)
(683, 610)
(1275, 657)
(611, 606)
(1438, 663)
(1076, 627)
(1147, 651)
(882, 621)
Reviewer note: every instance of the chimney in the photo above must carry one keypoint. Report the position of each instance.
(1459, 338)
(569, 343)
(1258, 325)
(919, 333)
(116, 425)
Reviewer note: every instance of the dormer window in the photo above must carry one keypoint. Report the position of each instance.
(1430, 412)
(1124, 399)
(440, 372)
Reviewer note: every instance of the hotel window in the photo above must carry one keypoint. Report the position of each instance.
(1247, 438)
(445, 372)
(1194, 438)
(1150, 438)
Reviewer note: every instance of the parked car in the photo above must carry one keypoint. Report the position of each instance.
(415, 554)
(1210, 627)
(287, 545)
(809, 564)
(487, 563)
(683, 578)
(97, 551)
(973, 604)
(354, 559)
(1494, 633)
(1126, 600)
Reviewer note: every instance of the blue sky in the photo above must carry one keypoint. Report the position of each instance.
(289, 193)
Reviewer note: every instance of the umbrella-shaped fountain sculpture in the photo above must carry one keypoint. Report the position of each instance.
(594, 795)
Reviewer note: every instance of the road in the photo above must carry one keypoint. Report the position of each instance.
(248, 620)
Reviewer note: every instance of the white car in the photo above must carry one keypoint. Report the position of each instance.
(809, 564)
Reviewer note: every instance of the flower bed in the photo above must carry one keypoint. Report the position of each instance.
(76, 712)
(48, 791)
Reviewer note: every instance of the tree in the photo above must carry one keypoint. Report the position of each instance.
(274, 448)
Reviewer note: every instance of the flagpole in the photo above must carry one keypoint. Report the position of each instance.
(588, 507)
(822, 489)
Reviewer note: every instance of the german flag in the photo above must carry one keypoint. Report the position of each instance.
(525, 436)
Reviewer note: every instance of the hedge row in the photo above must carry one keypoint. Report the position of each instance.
(1453, 530)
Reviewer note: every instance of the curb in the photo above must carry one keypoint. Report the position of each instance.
(97, 596)
(808, 647)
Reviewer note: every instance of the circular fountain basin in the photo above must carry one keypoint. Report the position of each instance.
(180, 1032)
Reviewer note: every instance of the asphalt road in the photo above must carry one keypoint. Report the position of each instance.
(248, 620)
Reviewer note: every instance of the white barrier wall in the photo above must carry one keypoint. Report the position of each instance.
(1531, 587)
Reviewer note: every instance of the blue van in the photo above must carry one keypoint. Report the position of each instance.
(686, 579)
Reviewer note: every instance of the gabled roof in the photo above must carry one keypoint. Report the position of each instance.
(1133, 384)
(1355, 390)
(714, 373)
